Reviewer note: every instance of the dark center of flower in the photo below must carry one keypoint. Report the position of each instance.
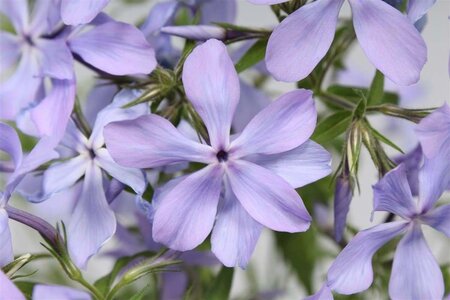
(29, 40)
(222, 156)
(92, 153)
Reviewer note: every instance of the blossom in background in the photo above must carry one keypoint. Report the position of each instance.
(389, 39)
(268, 150)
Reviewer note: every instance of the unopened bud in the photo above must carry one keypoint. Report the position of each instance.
(196, 32)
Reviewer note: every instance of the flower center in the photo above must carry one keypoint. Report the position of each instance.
(28, 40)
(222, 156)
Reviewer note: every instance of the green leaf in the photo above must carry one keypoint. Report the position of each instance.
(220, 289)
(376, 91)
(332, 126)
(253, 55)
(353, 93)
(360, 109)
(26, 287)
(385, 140)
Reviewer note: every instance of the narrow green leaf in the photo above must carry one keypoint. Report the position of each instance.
(385, 140)
(332, 126)
(360, 109)
(352, 93)
(26, 287)
(376, 91)
(253, 55)
(220, 289)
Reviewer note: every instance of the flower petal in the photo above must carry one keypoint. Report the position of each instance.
(390, 40)
(46, 292)
(8, 289)
(439, 218)
(57, 61)
(6, 250)
(267, 197)
(342, 198)
(10, 50)
(75, 12)
(235, 233)
(415, 272)
(10, 143)
(323, 294)
(185, 215)
(282, 126)
(393, 194)
(17, 12)
(134, 178)
(352, 272)
(213, 89)
(156, 142)
(267, 2)
(302, 39)
(116, 48)
(418, 8)
(299, 166)
(413, 161)
(93, 221)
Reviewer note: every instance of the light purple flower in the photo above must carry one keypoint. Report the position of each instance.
(273, 148)
(8, 291)
(389, 39)
(76, 12)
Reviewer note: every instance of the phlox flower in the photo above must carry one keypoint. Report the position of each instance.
(249, 179)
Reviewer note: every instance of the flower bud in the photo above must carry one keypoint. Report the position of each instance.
(196, 32)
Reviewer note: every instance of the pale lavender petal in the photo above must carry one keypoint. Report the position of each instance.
(213, 89)
(439, 218)
(10, 143)
(17, 12)
(418, 8)
(323, 294)
(47, 292)
(196, 32)
(235, 232)
(6, 250)
(352, 272)
(218, 11)
(299, 166)
(159, 16)
(412, 161)
(390, 40)
(74, 139)
(93, 221)
(267, 2)
(393, 194)
(76, 12)
(8, 291)
(10, 50)
(185, 215)
(99, 97)
(134, 178)
(57, 61)
(109, 45)
(44, 18)
(298, 44)
(343, 194)
(268, 198)
(155, 142)
(65, 174)
(415, 273)
(282, 126)
(434, 131)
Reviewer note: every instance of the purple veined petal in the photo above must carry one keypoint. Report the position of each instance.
(134, 178)
(57, 61)
(439, 219)
(6, 250)
(267, 2)
(17, 12)
(433, 131)
(235, 232)
(162, 191)
(252, 102)
(412, 161)
(93, 221)
(155, 142)
(52, 114)
(352, 272)
(302, 39)
(10, 143)
(10, 50)
(185, 215)
(282, 126)
(75, 12)
(116, 48)
(390, 40)
(300, 166)
(196, 32)
(65, 174)
(8, 291)
(323, 294)
(218, 11)
(415, 272)
(213, 89)
(393, 194)
(20, 90)
(268, 198)
(343, 195)
(160, 15)
(418, 8)
(44, 18)
(46, 292)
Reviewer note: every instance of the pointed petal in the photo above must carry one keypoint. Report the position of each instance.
(74, 12)
(46, 292)
(10, 50)
(185, 215)
(17, 12)
(393, 194)
(323, 294)
(63, 175)
(299, 166)
(439, 218)
(413, 161)
(116, 48)
(6, 250)
(418, 8)
(156, 142)
(93, 221)
(282, 126)
(390, 40)
(8, 289)
(57, 61)
(159, 16)
(267, 197)
(302, 39)
(235, 233)
(352, 272)
(213, 89)
(415, 272)
(10, 143)
(134, 178)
